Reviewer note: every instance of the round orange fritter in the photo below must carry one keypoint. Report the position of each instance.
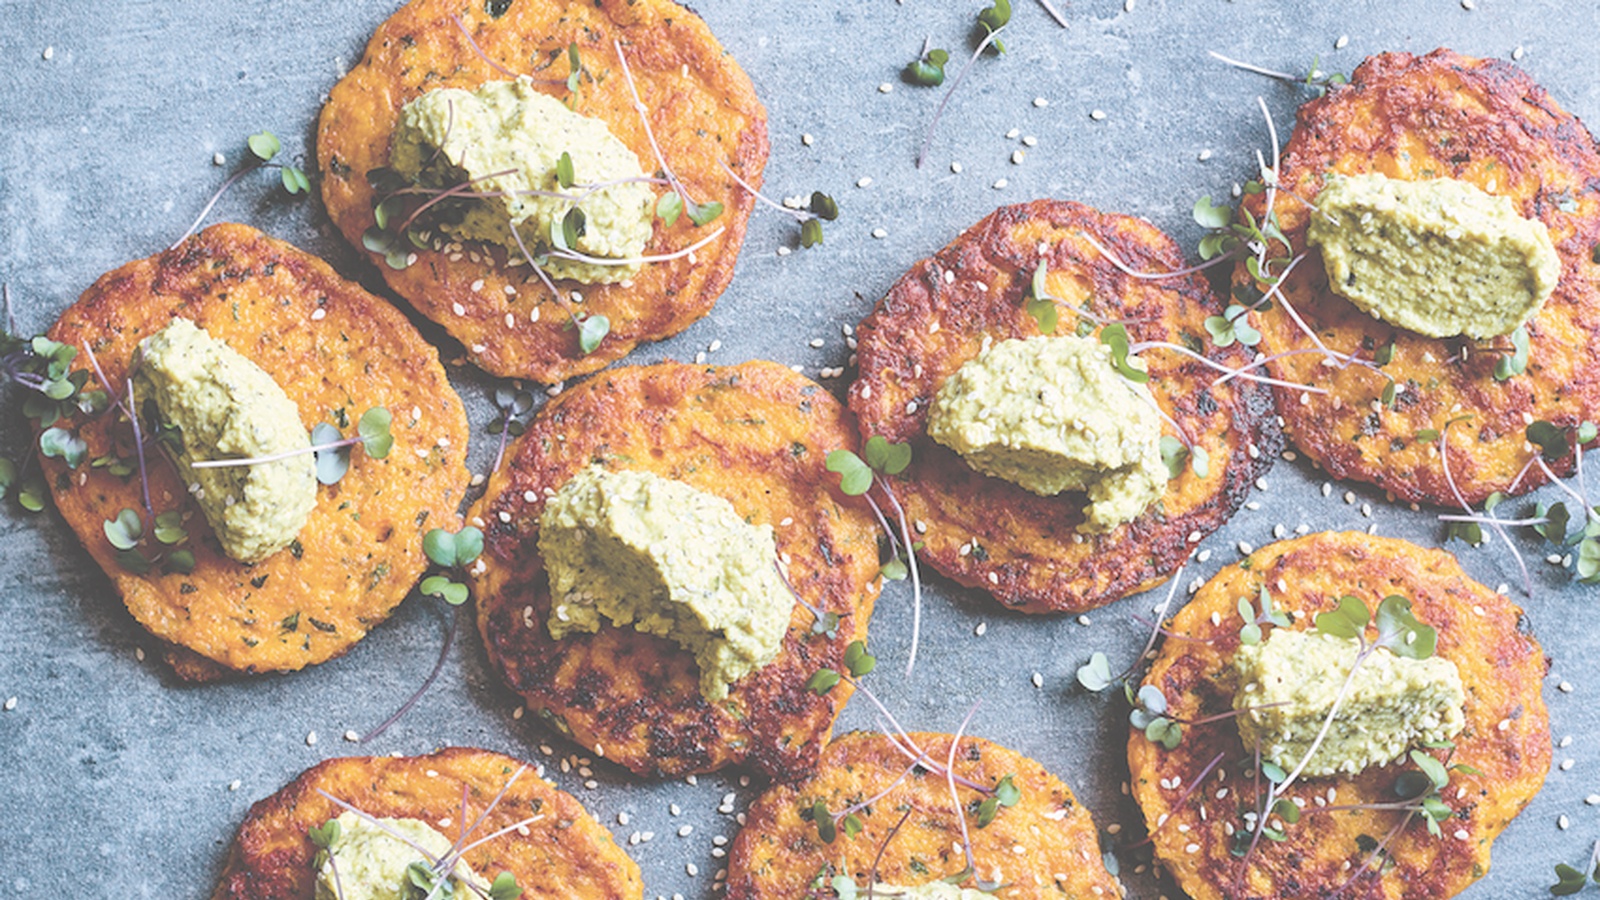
(1045, 846)
(702, 109)
(1506, 738)
(1484, 122)
(562, 854)
(337, 351)
(988, 533)
(755, 434)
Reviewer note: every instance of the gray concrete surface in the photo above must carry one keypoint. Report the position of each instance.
(120, 781)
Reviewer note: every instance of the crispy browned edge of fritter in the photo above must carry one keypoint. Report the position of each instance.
(129, 297)
(634, 695)
(778, 853)
(1519, 139)
(1050, 570)
(660, 39)
(271, 856)
(1479, 630)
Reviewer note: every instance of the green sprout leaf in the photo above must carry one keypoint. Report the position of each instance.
(669, 208)
(1007, 792)
(858, 660)
(125, 530)
(591, 331)
(810, 232)
(1517, 363)
(169, 528)
(894, 569)
(1040, 303)
(852, 825)
(928, 69)
(1349, 620)
(1587, 432)
(844, 887)
(1096, 673)
(987, 810)
(453, 592)
(1231, 327)
(993, 19)
(333, 462)
(1400, 632)
(1174, 454)
(1200, 461)
(1432, 768)
(374, 430)
(1164, 731)
(1209, 215)
(1384, 355)
(1557, 520)
(702, 214)
(1551, 441)
(1588, 561)
(822, 682)
(324, 836)
(564, 174)
(180, 561)
(575, 72)
(886, 458)
(823, 206)
(1115, 336)
(453, 551)
(133, 561)
(855, 476)
(58, 443)
(824, 822)
(264, 145)
(295, 180)
(504, 887)
(1286, 810)
(31, 494)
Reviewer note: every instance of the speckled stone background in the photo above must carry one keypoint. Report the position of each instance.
(117, 780)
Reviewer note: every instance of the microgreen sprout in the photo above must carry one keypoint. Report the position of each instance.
(1470, 529)
(264, 147)
(1003, 794)
(331, 448)
(432, 875)
(928, 68)
(1570, 880)
(857, 479)
(1095, 675)
(514, 405)
(1515, 363)
(1253, 619)
(1554, 522)
(1318, 81)
(452, 553)
(823, 623)
(819, 208)
(700, 214)
(992, 21)
(126, 535)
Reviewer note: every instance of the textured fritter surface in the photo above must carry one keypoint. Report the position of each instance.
(337, 351)
(1507, 733)
(1046, 846)
(702, 109)
(1485, 122)
(988, 533)
(564, 854)
(756, 435)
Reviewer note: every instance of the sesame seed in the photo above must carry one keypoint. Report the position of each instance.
(1203, 555)
(686, 830)
(1342, 42)
(1349, 496)
(982, 629)
(49, 53)
(1562, 822)
(1245, 548)
(1567, 764)
(311, 739)
(218, 159)
(1040, 102)
(1592, 799)
(1517, 53)
(11, 703)
(885, 88)
(351, 736)
(879, 233)
(1030, 141)
(1327, 489)
(1038, 680)
(1000, 183)
(1564, 687)
(692, 869)
(864, 181)
(1261, 484)
(1084, 621)
(806, 139)
(458, 309)
(690, 780)
(1097, 114)
(1565, 742)
(1469, 4)
(1017, 156)
(955, 167)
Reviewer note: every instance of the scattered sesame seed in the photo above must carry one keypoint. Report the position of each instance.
(1592, 799)
(1565, 742)
(686, 830)
(49, 53)
(1469, 4)
(982, 629)
(351, 736)
(11, 703)
(885, 88)
(1261, 484)
(955, 167)
(1562, 822)
(1030, 141)
(1017, 156)
(218, 159)
(458, 309)
(879, 233)
(1564, 687)
(1000, 183)
(311, 739)
(1038, 680)
(234, 785)
(806, 139)
(1040, 102)
(1097, 114)
(864, 181)
(1349, 496)
(1205, 155)
(1245, 548)
(1517, 53)
(692, 869)
(1567, 764)
(1084, 621)
(138, 654)
(690, 780)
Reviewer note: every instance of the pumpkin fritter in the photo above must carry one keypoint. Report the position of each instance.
(1506, 737)
(1044, 846)
(563, 854)
(755, 434)
(337, 351)
(988, 533)
(704, 115)
(1486, 123)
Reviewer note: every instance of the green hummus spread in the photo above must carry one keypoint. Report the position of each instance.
(1051, 414)
(450, 136)
(669, 560)
(369, 863)
(226, 407)
(1438, 257)
(1393, 703)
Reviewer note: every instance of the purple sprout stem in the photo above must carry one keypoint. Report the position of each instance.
(1170, 635)
(955, 799)
(894, 540)
(1490, 520)
(1207, 720)
(644, 119)
(566, 306)
(1157, 276)
(456, 190)
(1281, 76)
(1161, 616)
(875, 797)
(457, 851)
(1054, 13)
(276, 457)
(872, 877)
(255, 166)
(916, 577)
(927, 141)
(376, 823)
(815, 612)
(505, 433)
(484, 56)
(910, 750)
(138, 444)
(1526, 468)
(1444, 462)
(1188, 791)
(444, 652)
(1272, 183)
(338, 883)
(1362, 869)
(1210, 363)
(797, 215)
(506, 830)
(1549, 473)
(575, 256)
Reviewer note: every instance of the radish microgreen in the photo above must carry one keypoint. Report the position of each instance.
(264, 148)
(819, 208)
(1318, 81)
(991, 22)
(1516, 363)
(1570, 880)
(1253, 620)
(514, 405)
(126, 535)
(330, 447)
(927, 69)
(857, 479)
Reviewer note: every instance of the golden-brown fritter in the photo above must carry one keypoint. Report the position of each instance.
(1045, 846)
(337, 351)
(755, 434)
(564, 853)
(988, 533)
(702, 109)
(1506, 738)
(1485, 122)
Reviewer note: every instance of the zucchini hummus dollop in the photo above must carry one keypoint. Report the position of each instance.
(506, 139)
(223, 406)
(671, 561)
(1393, 702)
(1050, 414)
(367, 862)
(1439, 257)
